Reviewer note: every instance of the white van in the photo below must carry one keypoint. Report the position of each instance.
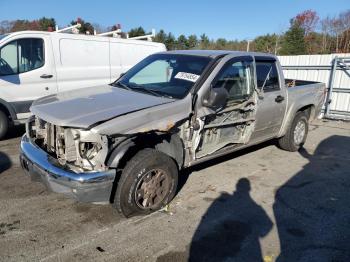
(35, 64)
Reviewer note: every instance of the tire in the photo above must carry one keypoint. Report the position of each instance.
(295, 138)
(4, 124)
(149, 173)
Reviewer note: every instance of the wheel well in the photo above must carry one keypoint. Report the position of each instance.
(5, 110)
(309, 110)
(169, 144)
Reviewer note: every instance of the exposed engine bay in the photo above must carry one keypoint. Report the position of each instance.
(75, 149)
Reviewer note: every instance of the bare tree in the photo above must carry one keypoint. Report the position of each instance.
(326, 25)
(6, 26)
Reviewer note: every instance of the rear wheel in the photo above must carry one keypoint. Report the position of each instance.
(4, 124)
(148, 182)
(296, 134)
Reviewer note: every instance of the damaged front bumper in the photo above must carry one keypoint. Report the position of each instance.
(85, 187)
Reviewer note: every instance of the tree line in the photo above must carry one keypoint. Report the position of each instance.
(307, 34)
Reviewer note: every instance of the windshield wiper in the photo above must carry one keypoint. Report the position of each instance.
(121, 85)
(150, 91)
(141, 88)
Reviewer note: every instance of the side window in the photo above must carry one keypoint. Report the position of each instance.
(267, 75)
(21, 56)
(8, 59)
(237, 78)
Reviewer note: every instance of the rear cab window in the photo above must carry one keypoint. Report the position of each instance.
(267, 74)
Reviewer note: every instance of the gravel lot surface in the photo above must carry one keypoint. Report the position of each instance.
(258, 204)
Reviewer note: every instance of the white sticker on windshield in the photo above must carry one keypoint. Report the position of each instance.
(187, 76)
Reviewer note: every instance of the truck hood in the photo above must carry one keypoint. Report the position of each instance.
(84, 107)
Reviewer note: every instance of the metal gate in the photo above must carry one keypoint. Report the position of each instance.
(333, 70)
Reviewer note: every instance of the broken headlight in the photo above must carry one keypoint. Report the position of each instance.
(89, 150)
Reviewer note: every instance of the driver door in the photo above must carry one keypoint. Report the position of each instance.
(233, 122)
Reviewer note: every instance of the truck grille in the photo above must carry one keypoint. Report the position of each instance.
(52, 139)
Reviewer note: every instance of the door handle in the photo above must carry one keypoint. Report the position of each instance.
(46, 76)
(279, 99)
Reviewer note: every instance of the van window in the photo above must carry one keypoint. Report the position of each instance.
(267, 75)
(21, 56)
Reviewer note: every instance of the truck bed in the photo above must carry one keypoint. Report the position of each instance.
(295, 82)
(303, 92)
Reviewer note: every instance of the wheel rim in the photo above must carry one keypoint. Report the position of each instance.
(152, 189)
(299, 132)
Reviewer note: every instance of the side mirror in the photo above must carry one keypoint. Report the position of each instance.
(217, 98)
(260, 93)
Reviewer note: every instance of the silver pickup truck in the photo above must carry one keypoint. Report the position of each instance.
(125, 143)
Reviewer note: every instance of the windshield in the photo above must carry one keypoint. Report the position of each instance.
(171, 75)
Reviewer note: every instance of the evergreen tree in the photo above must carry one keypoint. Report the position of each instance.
(293, 41)
(204, 41)
(139, 31)
(266, 43)
(160, 37)
(47, 23)
(85, 27)
(221, 44)
(170, 42)
(182, 42)
(192, 41)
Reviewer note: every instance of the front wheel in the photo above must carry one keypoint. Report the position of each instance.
(147, 183)
(296, 134)
(4, 124)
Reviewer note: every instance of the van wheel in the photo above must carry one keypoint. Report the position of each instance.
(297, 133)
(147, 183)
(4, 124)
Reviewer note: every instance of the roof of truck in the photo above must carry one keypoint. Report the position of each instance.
(216, 53)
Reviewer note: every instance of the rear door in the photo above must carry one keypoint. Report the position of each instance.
(272, 99)
(27, 71)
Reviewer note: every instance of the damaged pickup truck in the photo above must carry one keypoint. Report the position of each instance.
(125, 143)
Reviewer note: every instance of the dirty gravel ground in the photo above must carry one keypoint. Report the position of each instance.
(260, 203)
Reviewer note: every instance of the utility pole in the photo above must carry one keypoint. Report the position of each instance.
(248, 44)
(276, 45)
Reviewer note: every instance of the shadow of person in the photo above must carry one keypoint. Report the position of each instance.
(312, 209)
(5, 162)
(231, 228)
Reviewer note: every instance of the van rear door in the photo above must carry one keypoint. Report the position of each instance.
(27, 71)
